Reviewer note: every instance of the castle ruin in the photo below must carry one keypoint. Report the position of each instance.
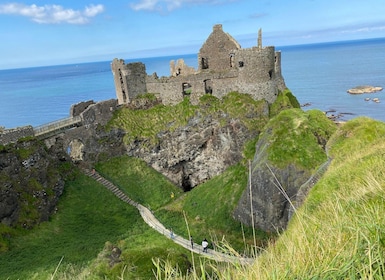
(223, 67)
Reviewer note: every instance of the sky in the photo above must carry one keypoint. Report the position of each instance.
(39, 33)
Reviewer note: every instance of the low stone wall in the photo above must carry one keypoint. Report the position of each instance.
(8, 136)
(99, 113)
(80, 107)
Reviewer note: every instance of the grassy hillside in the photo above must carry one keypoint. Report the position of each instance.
(79, 238)
(208, 208)
(298, 138)
(339, 233)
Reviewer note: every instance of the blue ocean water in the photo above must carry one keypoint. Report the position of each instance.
(321, 74)
(318, 74)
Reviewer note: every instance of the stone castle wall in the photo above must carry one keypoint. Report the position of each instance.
(216, 53)
(223, 66)
(12, 135)
(129, 79)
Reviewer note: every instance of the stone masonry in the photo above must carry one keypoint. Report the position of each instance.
(223, 66)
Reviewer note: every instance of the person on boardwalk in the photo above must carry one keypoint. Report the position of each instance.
(171, 234)
(205, 244)
(192, 242)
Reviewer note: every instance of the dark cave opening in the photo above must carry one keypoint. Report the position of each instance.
(186, 183)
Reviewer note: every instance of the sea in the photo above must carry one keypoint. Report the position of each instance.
(319, 75)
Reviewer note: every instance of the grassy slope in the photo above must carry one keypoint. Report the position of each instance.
(88, 216)
(339, 233)
(208, 208)
(141, 183)
(297, 137)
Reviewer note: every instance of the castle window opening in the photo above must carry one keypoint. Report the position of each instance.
(231, 60)
(241, 64)
(208, 86)
(122, 86)
(271, 74)
(186, 89)
(205, 63)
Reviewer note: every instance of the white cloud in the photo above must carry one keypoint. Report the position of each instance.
(169, 5)
(365, 29)
(52, 13)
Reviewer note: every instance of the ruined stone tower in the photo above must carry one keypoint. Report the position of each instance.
(223, 66)
(130, 80)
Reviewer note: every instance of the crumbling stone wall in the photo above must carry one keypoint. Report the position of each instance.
(79, 108)
(8, 136)
(215, 53)
(129, 79)
(180, 68)
(223, 66)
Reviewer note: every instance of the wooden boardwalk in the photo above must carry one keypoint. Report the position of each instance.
(154, 223)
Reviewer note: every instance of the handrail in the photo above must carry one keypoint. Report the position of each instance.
(56, 125)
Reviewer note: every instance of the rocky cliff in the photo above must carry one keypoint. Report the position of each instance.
(91, 142)
(31, 181)
(189, 144)
(193, 154)
(289, 151)
(192, 144)
(192, 149)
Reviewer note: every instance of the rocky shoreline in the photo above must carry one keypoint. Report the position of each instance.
(364, 89)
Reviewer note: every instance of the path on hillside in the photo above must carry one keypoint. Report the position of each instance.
(153, 222)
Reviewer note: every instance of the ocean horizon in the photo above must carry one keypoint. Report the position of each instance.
(319, 75)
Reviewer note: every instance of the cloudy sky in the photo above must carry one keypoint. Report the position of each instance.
(35, 33)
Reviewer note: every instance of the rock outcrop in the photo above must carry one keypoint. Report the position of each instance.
(30, 182)
(195, 153)
(364, 89)
(290, 149)
(211, 140)
(91, 142)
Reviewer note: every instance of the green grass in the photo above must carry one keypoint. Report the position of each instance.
(339, 233)
(145, 124)
(140, 182)
(285, 100)
(89, 218)
(299, 138)
(208, 207)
